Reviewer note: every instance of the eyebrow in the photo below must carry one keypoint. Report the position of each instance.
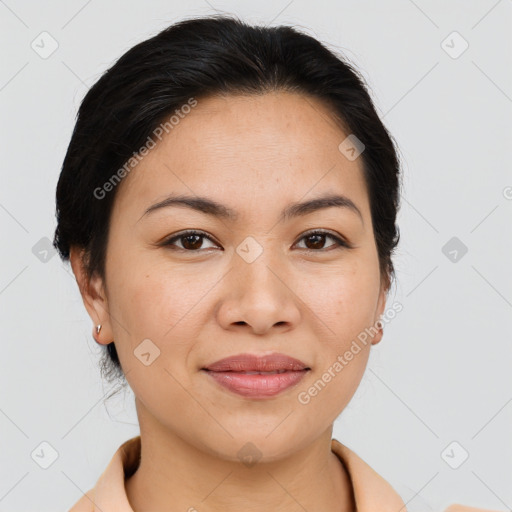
(210, 207)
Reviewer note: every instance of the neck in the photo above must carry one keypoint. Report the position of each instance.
(174, 475)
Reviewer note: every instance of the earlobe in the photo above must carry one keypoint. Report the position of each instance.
(378, 336)
(96, 335)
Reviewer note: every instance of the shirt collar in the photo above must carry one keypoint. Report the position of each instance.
(371, 491)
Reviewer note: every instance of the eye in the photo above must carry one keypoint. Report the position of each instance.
(317, 238)
(192, 240)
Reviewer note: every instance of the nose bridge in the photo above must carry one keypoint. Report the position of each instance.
(257, 293)
(256, 264)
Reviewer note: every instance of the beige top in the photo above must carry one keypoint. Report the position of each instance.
(371, 491)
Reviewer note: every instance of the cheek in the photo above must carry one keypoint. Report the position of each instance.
(157, 303)
(345, 299)
(151, 299)
(344, 303)
(339, 383)
(157, 336)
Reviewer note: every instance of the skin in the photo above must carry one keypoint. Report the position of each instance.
(255, 155)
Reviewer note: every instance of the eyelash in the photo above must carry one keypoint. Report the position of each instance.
(342, 244)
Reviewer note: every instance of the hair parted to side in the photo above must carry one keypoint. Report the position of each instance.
(196, 58)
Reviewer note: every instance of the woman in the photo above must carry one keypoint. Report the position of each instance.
(228, 204)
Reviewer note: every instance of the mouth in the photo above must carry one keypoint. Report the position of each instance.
(256, 376)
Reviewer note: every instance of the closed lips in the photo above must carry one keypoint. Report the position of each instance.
(257, 377)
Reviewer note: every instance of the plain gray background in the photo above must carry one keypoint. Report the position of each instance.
(442, 372)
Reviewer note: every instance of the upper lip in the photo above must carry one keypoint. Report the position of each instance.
(257, 363)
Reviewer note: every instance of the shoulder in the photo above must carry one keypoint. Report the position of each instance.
(372, 491)
(464, 508)
(85, 503)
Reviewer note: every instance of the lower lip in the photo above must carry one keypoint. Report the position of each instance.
(257, 385)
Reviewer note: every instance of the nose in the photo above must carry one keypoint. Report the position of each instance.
(258, 297)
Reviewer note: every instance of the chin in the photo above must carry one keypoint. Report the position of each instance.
(256, 443)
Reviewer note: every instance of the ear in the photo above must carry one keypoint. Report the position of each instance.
(381, 304)
(93, 294)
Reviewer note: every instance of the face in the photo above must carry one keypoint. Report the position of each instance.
(305, 284)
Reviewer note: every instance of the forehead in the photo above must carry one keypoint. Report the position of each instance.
(245, 151)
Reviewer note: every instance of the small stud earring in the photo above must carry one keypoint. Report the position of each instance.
(98, 328)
